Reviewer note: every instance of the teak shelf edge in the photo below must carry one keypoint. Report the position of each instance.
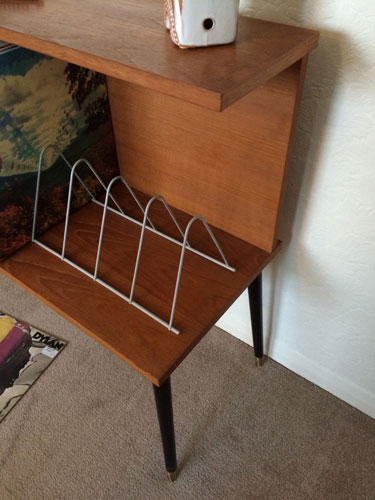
(131, 44)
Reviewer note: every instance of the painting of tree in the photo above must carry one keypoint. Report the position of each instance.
(82, 83)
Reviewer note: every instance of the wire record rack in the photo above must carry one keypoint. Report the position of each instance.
(146, 224)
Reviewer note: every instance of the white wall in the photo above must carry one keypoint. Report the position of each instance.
(319, 294)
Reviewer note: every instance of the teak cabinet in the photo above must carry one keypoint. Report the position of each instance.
(211, 130)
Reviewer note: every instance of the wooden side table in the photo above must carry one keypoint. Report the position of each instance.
(210, 129)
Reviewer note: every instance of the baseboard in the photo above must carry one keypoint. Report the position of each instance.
(320, 375)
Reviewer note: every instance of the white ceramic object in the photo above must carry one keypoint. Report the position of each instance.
(199, 23)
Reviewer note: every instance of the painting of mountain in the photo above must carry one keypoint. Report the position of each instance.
(44, 100)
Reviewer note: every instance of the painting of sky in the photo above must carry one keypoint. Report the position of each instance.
(42, 101)
(34, 112)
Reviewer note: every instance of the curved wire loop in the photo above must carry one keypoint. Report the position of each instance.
(40, 162)
(115, 179)
(162, 199)
(74, 168)
(182, 256)
(73, 172)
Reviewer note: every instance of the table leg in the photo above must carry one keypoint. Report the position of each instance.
(255, 299)
(163, 400)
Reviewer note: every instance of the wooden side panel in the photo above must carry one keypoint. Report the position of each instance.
(228, 166)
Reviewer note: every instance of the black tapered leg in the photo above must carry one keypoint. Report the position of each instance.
(163, 400)
(256, 313)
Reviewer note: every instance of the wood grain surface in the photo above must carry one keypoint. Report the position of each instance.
(226, 166)
(127, 39)
(206, 289)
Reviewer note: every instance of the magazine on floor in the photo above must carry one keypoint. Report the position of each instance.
(25, 353)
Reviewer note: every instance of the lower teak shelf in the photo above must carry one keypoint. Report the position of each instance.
(206, 290)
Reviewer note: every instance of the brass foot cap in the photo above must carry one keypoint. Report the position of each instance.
(259, 361)
(172, 476)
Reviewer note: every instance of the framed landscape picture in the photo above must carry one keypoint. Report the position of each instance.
(42, 101)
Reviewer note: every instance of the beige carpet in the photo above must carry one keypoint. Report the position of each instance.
(87, 429)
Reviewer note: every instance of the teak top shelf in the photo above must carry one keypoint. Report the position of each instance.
(126, 39)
